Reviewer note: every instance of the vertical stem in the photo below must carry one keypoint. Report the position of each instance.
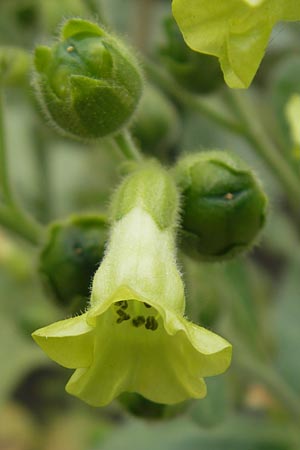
(127, 146)
(4, 178)
(41, 153)
(11, 215)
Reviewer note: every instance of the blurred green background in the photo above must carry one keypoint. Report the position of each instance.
(253, 301)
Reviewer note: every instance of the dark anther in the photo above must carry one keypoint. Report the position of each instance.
(123, 315)
(138, 321)
(147, 306)
(151, 323)
(122, 318)
(122, 303)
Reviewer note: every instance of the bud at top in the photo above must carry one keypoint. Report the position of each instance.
(224, 206)
(197, 72)
(88, 84)
(71, 256)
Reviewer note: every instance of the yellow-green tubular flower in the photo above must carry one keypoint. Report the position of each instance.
(134, 336)
(89, 83)
(224, 206)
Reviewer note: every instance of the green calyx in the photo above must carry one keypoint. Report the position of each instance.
(224, 206)
(88, 84)
(152, 188)
(70, 257)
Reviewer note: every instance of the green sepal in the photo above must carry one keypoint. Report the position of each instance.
(42, 58)
(223, 205)
(152, 188)
(92, 97)
(76, 26)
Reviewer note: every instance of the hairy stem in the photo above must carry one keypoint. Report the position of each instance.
(127, 147)
(5, 186)
(21, 224)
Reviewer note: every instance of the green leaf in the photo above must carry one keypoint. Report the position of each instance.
(236, 31)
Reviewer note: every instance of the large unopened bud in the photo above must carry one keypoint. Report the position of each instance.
(89, 83)
(224, 205)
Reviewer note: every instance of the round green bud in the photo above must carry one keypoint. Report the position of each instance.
(223, 205)
(157, 124)
(70, 257)
(88, 84)
(14, 66)
(197, 72)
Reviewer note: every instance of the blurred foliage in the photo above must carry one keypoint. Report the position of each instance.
(253, 301)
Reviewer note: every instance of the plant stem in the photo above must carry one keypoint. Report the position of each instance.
(11, 215)
(21, 224)
(192, 101)
(4, 178)
(126, 145)
(256, 136)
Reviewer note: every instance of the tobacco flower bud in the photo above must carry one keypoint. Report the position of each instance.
(89, 83)
(71, 256)
(224, 205)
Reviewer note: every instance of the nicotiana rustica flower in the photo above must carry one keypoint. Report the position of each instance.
(134, 336)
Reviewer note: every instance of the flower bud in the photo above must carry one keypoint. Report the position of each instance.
(199, 73)
(88, 84)
(157, 123)
(71, 256)
(224, 206)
